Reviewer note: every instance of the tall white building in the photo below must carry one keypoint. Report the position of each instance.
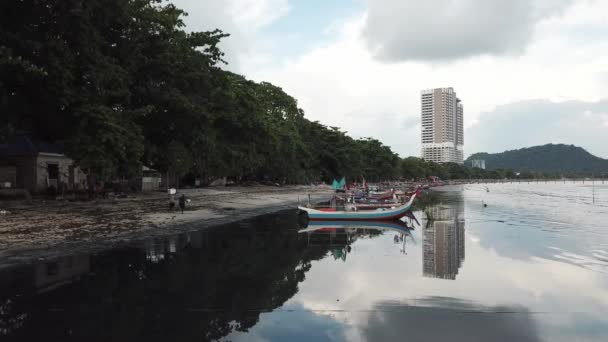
(442, 126)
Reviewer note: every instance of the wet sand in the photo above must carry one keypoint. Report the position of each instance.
(43, 230)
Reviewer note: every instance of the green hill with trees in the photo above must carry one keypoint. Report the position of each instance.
(550, 158)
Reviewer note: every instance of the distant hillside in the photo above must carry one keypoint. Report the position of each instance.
(546, 158)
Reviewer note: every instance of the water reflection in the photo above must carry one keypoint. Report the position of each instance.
(196, 286)
(444, 240)
(449, 319)
(37, 279)
(270, 279)
(341, 234)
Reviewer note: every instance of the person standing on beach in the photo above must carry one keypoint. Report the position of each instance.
(171, 199)
(182, 202)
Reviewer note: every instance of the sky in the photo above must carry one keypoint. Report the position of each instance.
(529, 72)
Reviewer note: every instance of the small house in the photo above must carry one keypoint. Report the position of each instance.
(37, 166)
(151, 180)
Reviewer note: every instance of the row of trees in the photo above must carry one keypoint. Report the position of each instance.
(120, 84)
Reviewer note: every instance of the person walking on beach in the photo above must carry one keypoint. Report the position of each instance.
(171, 199)
(182, 202)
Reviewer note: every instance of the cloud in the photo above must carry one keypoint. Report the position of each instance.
(538, 122)
(432, 30)
(258, 13)
(242, 19)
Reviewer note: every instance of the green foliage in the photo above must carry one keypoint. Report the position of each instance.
(416, 168)
(180, 158)
(106, 141)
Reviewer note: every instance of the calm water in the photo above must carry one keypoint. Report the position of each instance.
(531, 266)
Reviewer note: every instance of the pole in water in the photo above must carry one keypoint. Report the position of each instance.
(593, 189)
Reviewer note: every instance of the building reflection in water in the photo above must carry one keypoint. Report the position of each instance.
(443, 247)
(64, 270)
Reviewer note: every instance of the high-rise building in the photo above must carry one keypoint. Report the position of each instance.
(442, 126)
(479, 163)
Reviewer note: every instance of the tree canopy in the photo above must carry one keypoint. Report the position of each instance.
(121, 84)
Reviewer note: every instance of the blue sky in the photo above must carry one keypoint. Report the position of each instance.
(360, 64)
(308, 23)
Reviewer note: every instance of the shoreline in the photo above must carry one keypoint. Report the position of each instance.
(46, 231)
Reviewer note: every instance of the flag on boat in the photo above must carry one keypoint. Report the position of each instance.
(339, 185)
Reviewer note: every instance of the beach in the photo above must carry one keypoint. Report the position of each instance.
(46, 229)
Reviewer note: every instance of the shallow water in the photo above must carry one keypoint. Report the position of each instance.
(532, 265)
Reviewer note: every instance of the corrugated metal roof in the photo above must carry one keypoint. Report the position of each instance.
(24, 145)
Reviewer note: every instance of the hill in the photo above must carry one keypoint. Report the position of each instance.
(546, 158)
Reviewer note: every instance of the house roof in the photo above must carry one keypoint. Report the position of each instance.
(25, 145)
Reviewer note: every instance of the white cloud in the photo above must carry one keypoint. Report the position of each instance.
(399, 30)
(242, 19)
(604, 119)
(257, 13)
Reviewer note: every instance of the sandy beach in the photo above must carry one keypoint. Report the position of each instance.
(45, 229)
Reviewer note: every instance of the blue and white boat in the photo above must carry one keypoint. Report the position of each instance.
(352, 214)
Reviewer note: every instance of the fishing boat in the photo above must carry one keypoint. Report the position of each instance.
(364, 202)
(380, 195)
(351, 213)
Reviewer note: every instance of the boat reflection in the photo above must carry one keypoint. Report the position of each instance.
(341, 234)
(352, 227)
(443, 241)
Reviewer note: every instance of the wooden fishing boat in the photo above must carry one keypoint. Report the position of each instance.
(381, 196)
(352, 214)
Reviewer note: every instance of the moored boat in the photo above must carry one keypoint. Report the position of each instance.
(381, 214)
